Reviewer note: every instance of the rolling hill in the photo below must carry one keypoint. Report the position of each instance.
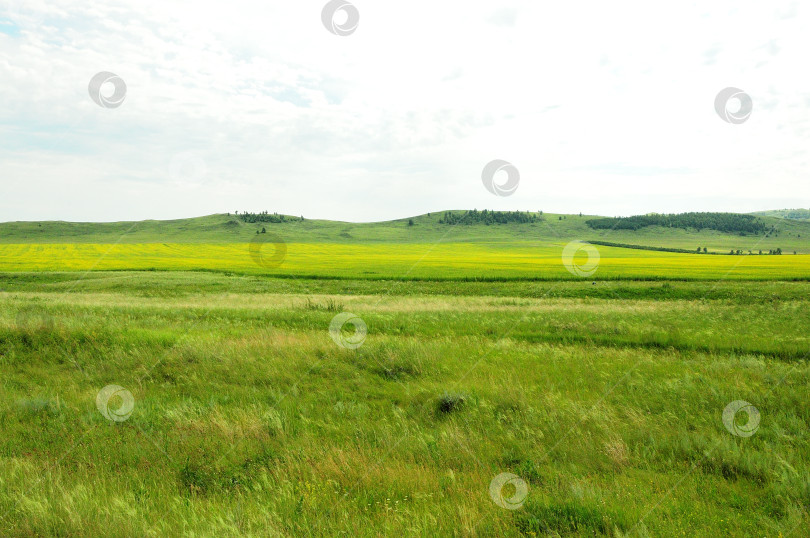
(789, 235)
(794, 214)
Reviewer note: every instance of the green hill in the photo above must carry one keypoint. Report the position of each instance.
(793, 214)
(445, 226)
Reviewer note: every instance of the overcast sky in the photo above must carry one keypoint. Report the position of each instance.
(603, 107)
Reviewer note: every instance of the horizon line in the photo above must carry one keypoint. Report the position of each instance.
(389, 220)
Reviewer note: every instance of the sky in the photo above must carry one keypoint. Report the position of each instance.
(601, 107)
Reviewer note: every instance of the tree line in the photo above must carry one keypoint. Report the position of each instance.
(265, 216)
(722, 222)
(489, 217)
(794, 213)
(699, 250)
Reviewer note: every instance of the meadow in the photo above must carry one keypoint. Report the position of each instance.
(357, 380)
(248, 419)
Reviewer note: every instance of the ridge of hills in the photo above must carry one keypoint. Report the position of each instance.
(787, 233)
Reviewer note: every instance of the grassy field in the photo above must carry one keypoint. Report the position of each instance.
(247, 418)
(187, 378)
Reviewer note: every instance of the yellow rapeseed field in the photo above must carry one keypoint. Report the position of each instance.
(451, 260)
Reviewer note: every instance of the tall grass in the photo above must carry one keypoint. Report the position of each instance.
(248, 418)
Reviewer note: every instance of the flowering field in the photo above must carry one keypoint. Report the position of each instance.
(523, 260)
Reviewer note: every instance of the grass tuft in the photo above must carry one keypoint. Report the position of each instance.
(330, 305)
(451, 403)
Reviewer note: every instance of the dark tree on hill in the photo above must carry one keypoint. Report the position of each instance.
(264, 216)
(722, 222)
(488, 217)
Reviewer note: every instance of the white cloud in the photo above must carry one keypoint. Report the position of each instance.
(604, 108)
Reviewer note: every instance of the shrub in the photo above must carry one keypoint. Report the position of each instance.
(450, 403)
(329, 306)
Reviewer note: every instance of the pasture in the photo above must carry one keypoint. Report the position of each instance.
(605, 401)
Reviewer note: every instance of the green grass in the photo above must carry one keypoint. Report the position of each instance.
(605, 399)
(181, 284)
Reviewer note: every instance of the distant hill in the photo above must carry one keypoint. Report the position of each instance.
(456, 226)
(794, 214)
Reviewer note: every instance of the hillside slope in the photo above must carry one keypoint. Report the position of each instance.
(791, 235)
(794, 214)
